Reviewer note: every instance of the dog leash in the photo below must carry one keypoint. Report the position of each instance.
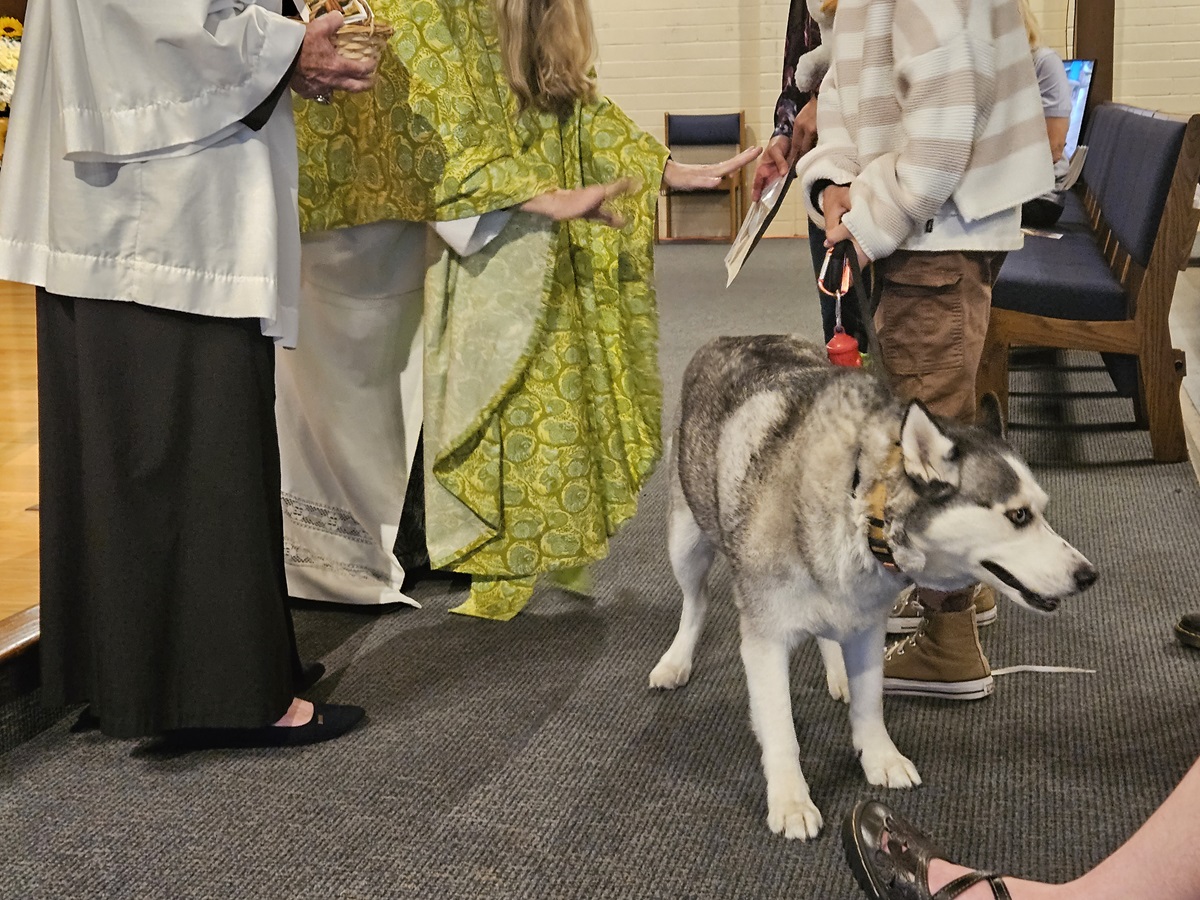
(840, 276)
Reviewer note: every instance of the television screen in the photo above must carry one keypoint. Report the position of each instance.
(1079, 73)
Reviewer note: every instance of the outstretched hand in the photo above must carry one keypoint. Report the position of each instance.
(321, 70)
(705, 176)
(582, 203)
(775, 163)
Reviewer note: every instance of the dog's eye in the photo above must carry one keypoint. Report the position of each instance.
(1020, 517)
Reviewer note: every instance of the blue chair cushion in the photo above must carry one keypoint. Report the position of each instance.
(1066, 278)
(719, 128)
(1074, 217)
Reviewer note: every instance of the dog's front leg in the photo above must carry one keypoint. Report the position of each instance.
(835, 669)
(882, 763)
(790, 810)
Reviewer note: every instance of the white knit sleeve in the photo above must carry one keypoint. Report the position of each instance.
(938, 72)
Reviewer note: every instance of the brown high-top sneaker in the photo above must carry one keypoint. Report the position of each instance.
(942, 659)
(907, 612)
(985, 605)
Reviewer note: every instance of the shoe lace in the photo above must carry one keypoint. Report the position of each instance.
(906, 603)
(912, 640)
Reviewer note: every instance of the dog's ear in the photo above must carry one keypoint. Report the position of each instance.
(989, 417)
(930, 456)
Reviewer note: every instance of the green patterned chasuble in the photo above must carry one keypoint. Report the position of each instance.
(542, 394)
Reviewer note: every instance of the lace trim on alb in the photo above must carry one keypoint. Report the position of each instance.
(295, 555)
(327, 519)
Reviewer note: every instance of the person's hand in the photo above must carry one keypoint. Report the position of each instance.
(321, 69)
(835, 200)
(804, 130)
(783, 150)
(582, 203)
(774, 163)
(706, 176)
(839, 233)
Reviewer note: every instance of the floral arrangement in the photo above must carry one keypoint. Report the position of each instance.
(10, 54)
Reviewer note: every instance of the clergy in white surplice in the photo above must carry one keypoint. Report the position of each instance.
(149, 192)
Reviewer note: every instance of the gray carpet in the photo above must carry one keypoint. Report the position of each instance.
(529, 760)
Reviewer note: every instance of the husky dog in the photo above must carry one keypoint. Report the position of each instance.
(827, 496)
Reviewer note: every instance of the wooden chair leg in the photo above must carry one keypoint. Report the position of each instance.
(1160, 371)
(733, 227)
(992, 376)
(1140, 419)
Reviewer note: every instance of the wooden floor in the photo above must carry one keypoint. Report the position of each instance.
(18, 451)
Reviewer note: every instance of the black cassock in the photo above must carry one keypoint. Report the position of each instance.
(163, 595)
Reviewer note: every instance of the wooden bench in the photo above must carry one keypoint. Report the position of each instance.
(1106, 285)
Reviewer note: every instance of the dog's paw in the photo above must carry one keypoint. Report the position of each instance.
(796, 818)
(835, 669)
(890, 768)
(839, 684)
(668, 674)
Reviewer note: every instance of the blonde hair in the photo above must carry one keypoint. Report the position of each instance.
(548, 48)
(829, 7)
(1032, 30)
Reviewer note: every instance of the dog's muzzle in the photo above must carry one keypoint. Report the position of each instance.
(1084, 576)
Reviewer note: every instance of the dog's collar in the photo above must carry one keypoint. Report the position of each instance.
(876, 516)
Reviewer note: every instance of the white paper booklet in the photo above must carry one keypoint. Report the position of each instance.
(758, 218)
(1073, 172)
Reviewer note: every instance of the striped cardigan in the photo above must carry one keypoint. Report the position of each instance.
(931, 113)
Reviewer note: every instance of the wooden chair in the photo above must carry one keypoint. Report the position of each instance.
(1107, 284)
(724, 131)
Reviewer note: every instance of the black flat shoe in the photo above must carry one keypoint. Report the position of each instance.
(890, 858)
(328, 721)
(453, 580)
(1187, 630)
(87, 721)
(310, 674)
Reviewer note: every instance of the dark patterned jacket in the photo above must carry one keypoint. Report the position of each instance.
(803, 35)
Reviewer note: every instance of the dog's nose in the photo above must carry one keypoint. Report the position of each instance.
(1085, 577)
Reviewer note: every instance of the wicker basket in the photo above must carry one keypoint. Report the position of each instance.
(365, 40)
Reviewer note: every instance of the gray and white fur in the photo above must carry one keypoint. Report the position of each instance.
(774, 459)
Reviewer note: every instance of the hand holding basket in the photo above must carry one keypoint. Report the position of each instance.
(363, 36)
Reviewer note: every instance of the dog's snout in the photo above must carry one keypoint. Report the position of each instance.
(1085, 577)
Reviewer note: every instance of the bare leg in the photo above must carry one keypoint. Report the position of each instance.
(299, 713)
(1159, 861)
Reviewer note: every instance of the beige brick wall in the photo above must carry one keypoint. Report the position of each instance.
(1158, 51)
(720, 56)
(704, 56)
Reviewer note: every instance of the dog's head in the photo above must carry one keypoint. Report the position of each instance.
(976, 513)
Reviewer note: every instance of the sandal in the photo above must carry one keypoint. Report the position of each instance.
(890, 858)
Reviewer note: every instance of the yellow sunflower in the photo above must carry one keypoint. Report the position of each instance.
(10, 27)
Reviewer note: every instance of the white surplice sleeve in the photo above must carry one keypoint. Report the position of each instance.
(470, 235)
(147, 78)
